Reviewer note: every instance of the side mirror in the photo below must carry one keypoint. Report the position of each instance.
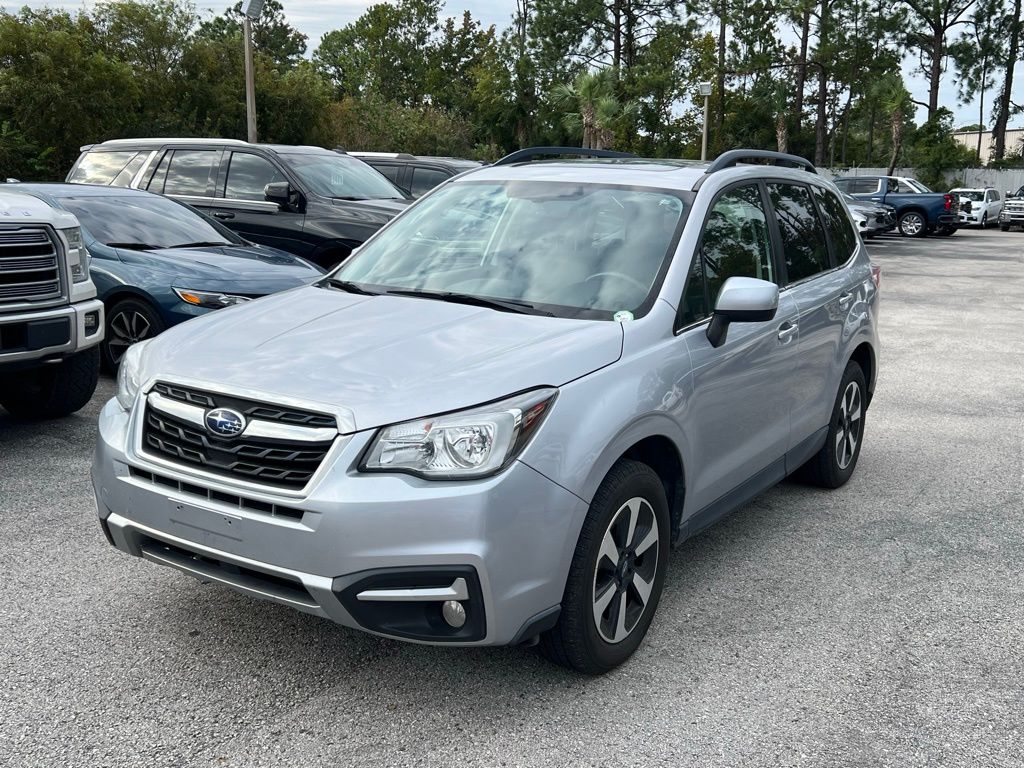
(281, 192)
(742, 300)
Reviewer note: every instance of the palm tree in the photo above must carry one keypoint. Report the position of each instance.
(591, 108)
(897, 104)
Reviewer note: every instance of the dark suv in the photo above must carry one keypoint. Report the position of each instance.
(309, 201)
(415, 174)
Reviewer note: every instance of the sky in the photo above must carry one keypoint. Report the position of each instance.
(315, 17)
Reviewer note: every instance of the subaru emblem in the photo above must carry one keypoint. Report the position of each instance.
(224, 422)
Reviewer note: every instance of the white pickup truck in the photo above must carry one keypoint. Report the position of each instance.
(51, 323)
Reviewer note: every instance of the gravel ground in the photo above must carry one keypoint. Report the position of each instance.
(878, 625)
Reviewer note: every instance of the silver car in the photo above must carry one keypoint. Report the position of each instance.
(488, 426)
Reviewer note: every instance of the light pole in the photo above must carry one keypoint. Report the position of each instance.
(251, 9)
(705, 91)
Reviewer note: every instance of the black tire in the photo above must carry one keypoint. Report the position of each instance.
(946, 231)
(52, 391)
(576, 641)
(826, 468)
(1004, 227)
(912, 224)
(128, 321)
(984, 220)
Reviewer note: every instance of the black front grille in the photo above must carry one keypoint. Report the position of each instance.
(29, 265)
(251, 409)
(283, 463)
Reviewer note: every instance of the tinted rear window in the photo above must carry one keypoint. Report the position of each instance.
(803, 237)
(115, 168)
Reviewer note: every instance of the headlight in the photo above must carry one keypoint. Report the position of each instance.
(129, 375)
(463, 445)
(209, 299)
(78, 254)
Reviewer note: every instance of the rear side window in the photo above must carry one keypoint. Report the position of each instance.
(425, 179)
(803, 237)
(391, 171)
(735, 243)
(108, 168)
(837, 222)
(190, 171)
(248, 174)
(857, 186)
(994, 195)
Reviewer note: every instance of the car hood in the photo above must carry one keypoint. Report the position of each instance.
(241, 265)
(378, 360)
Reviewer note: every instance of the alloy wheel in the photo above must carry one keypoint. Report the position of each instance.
(848, 425)
(911, 224)
(126, 328)
(625, 571)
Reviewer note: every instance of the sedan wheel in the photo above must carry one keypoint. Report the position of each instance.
(128, 322)
(912, 224)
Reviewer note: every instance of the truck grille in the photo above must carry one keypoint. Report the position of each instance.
(274, 462)
(29, 266)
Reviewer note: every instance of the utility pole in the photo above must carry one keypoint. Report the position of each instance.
(705, 91)
(251, 9)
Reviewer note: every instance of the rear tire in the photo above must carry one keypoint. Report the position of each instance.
(834, 464)
(945, 231)
(617, 573)
(52, 391)
(913, 224)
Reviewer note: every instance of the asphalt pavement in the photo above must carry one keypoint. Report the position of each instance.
(878, 625)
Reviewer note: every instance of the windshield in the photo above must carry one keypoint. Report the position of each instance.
(971, 194)
(147, 220)
(341, 176)
(576, 250)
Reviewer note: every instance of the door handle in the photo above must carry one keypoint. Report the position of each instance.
(845, 299)
(786, 331)
(223, 215)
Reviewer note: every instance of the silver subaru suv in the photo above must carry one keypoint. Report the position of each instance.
(488, 425)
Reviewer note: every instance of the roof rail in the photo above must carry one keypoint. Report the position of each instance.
(524, 155)
(734, 156)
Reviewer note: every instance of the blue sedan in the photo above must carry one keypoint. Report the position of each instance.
(157, 262)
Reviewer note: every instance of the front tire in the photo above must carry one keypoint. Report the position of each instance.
(128, 321)
(834, 464)
(1004, 227)
(52, 391)
(617, 573)
(913, 224)
(984, 220)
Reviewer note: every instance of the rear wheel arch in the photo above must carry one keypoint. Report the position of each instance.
(864, 356)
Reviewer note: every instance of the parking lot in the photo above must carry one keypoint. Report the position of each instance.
(880, 624)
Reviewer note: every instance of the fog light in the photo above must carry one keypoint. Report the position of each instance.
(454, 614)
(92, 320)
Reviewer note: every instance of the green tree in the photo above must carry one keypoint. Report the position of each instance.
(383, 53)
(272, 35)
(590, 108)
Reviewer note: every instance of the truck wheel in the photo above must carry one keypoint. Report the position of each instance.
(128, 321)
(946, 231)
(912, 224)
(616, 575)
(52, 391)
(1004, 227)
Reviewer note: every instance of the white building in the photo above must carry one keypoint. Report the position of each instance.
(1014, 140)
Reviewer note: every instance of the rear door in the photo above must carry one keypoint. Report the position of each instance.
(738, 415)
(817, 241)
(188, 174)
(241, 203)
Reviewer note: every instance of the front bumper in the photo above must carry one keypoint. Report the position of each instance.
(511, 536)
(50, 333)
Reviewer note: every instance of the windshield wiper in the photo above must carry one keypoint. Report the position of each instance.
(348, 287)
(202, 244)
(502, 305)
(349, 197)
(135, 246)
